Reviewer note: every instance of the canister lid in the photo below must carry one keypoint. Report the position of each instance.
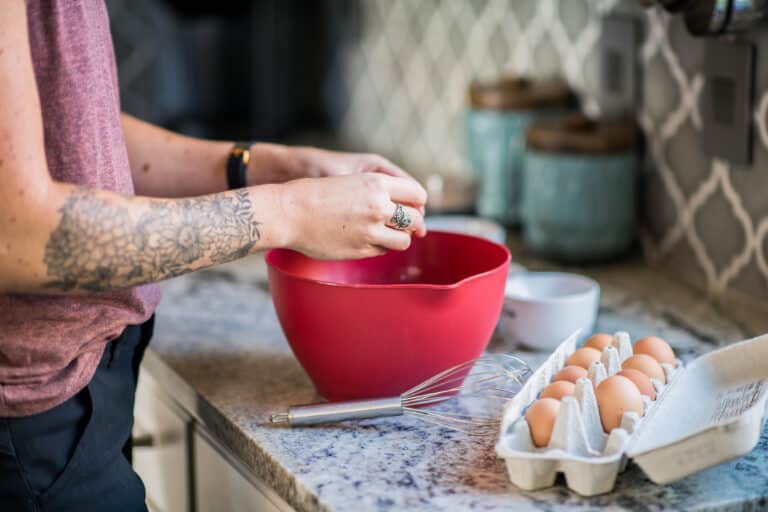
(519, 93)
(580, 134)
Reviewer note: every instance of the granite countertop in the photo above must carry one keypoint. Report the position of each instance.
(219, 350)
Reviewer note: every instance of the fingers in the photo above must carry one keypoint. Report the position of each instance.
(388, 236)
(373, 250)
(416, 227)
(394, 239)
(384, 166)
(405, 190)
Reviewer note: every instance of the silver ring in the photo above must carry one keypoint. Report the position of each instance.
(400, 219)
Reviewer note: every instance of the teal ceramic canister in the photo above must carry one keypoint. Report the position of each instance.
(495, 126)
(579, 188)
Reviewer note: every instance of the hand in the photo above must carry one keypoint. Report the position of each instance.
(320, 162)
(274, 163)
(347, 217)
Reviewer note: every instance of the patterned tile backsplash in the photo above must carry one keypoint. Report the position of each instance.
(406, 74)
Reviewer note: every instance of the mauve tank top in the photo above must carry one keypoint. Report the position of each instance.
(50, 346)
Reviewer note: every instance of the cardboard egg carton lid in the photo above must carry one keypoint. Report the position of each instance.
(710, 411)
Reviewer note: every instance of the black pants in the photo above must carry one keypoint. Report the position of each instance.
(76, 456)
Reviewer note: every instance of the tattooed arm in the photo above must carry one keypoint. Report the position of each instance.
(101, 241)
(74, 239)
(104, 242)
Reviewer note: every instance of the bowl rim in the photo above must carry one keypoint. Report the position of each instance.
(399, 286)
(594, 287)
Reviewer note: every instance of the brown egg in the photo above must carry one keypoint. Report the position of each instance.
(655, 347)
(599, 341)
(541, 419)
(570, 373)
(558, 390)
(615, 396)
(584, 357)
(645, 364)
(641, 380)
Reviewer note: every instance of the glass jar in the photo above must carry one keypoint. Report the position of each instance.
(495, 125)
(579, 188)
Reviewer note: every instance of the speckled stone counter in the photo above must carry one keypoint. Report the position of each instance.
(219, 351)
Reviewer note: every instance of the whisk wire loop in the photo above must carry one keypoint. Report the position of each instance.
(467, 397)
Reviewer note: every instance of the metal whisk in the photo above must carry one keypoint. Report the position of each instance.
(467, 397)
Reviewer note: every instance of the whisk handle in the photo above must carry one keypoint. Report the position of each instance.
(313, 414)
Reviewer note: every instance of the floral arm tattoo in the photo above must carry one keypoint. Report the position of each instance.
(100, 245)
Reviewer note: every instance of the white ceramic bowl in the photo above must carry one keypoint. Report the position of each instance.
(541, 309)
(468, 225)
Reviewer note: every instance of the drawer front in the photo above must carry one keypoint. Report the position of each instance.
(220, 485)
(160, 454)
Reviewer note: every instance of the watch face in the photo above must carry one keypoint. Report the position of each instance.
(242, 150)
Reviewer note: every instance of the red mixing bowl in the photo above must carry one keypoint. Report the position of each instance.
(378, 326)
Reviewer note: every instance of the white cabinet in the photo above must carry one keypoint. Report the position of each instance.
(183, 467)
(161, 454)
(220, 484)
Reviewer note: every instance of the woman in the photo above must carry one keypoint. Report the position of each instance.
(94, 207)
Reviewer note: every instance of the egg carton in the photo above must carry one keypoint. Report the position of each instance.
(590, 459)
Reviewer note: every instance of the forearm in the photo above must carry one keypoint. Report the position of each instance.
(84, 240)
(167, 164)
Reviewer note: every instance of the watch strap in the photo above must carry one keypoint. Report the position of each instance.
(237, 164)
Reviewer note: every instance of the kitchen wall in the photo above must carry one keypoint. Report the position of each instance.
(407, 67)
(240, 69)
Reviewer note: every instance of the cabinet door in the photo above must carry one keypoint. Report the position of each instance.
(220, 485)
(160, 453)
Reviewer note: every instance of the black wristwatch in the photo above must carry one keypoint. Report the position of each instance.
(237, 164)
